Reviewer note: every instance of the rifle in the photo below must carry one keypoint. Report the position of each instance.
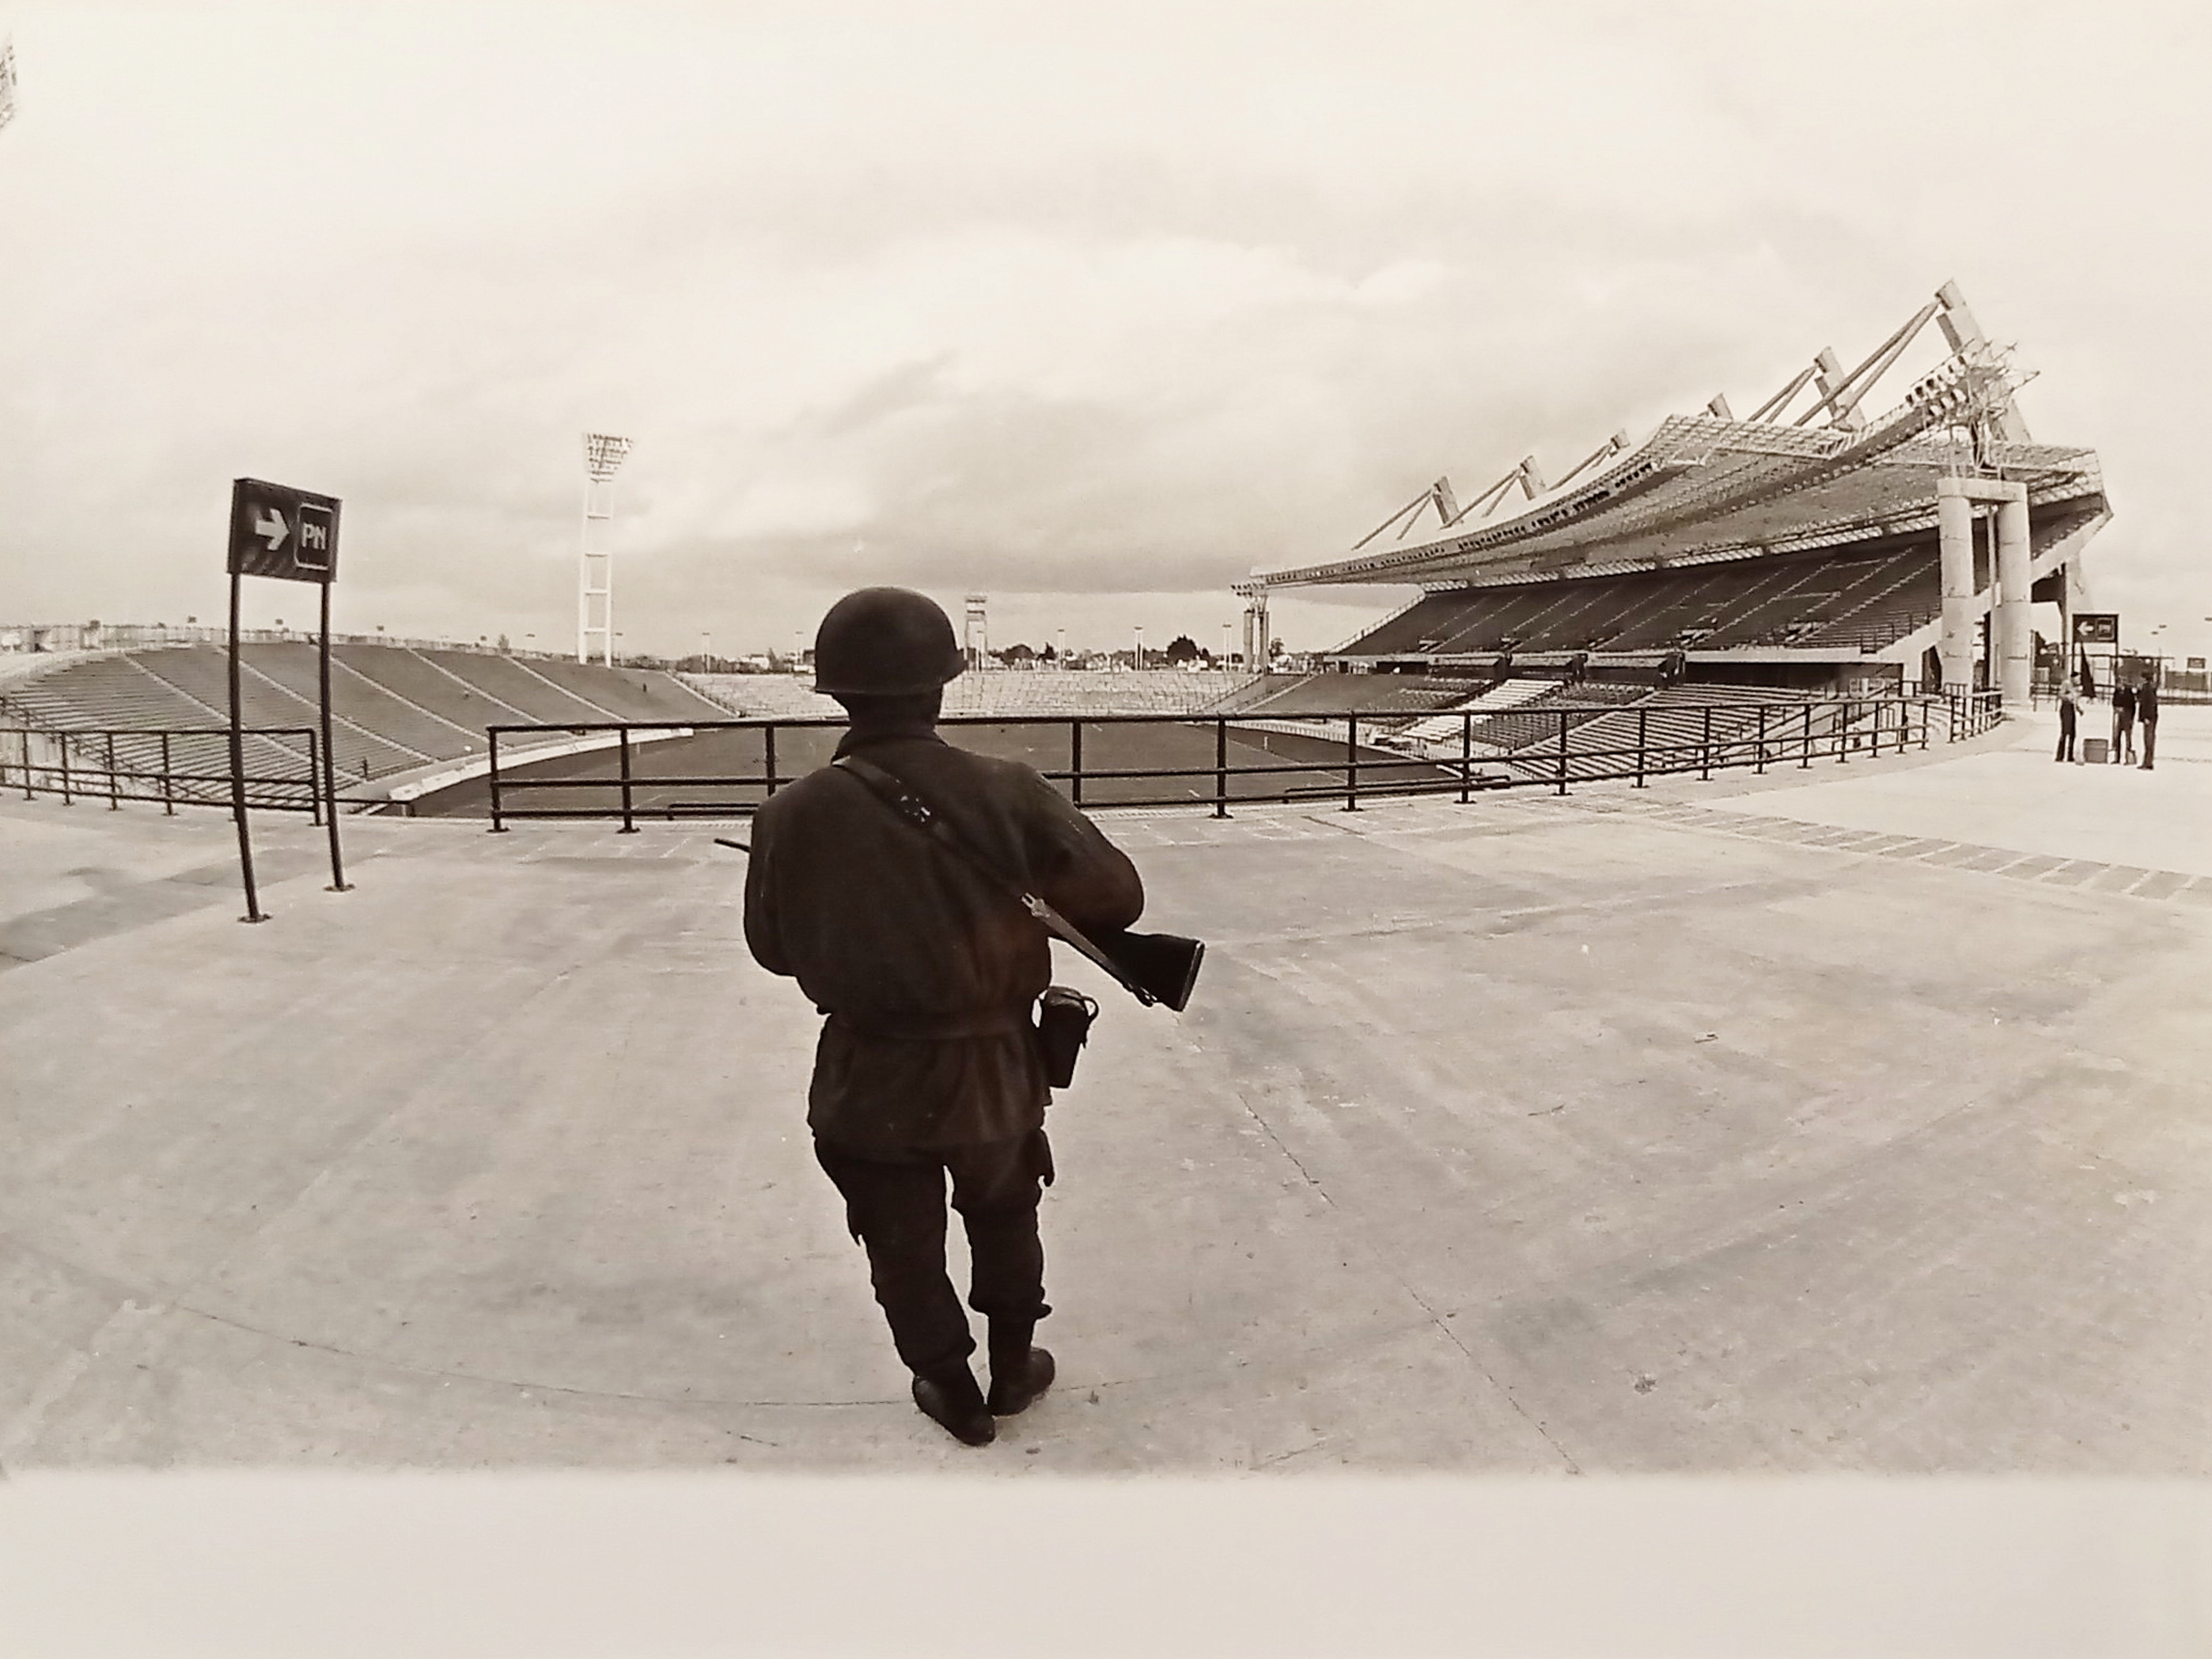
(1153, 968)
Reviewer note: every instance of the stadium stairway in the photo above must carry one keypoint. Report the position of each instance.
(1675, 724)
(1443, 729)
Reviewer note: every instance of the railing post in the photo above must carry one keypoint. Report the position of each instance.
(629, 826)
(169, 792)
(114, 796)
(315, 780)
(1466, 754)
(1805, 739)
(1706, 759)
(1220, 766)
(768, 756)
(498, 824)
(1843, 718)
(1561, 778)
(62, 744)
(1643, 731)
(1761, 768)
(29, 794)
(1075, 762)
(1351, 763)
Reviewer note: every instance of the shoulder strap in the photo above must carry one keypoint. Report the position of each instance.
(897, 795)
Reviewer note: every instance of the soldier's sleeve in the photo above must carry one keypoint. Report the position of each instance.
(1080, 873)
(763, 936)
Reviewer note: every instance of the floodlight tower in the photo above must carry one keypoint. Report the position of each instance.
(603, 456)
(975, 629)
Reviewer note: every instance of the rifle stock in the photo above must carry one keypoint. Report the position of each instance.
(1165, 964)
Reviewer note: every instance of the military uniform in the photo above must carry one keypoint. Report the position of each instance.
(927, 1064)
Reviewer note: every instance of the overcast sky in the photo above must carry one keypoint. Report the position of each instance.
(1093, 308)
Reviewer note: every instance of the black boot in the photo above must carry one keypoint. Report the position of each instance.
(1019, 1373)
(953, 1401)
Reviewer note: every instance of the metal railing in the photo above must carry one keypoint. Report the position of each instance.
(168, 766)
(1721, 735)
(1973, 712)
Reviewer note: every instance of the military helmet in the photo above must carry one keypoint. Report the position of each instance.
(885, 642)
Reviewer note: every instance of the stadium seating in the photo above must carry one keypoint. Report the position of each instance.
(1361, 694)
(393, 709)
(1861, 602)
(368, 705)
(627, 693)
(1012, 693)
(517, 693)
(118, 692)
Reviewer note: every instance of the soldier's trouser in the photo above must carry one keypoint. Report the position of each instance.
(895, 1206)
(2150, 741)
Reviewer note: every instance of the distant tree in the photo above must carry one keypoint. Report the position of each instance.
(1047, 654)
(1015, 652)
(1274, 648)
(503, 645)
(1182, 649)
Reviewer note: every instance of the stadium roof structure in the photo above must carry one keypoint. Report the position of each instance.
(1712, 486)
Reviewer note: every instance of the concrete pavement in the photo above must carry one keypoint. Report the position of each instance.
(1849, 1123)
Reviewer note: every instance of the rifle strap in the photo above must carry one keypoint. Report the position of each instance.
(899, 798)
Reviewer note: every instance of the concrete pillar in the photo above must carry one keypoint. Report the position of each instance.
(2077, 583)
(2015, 654)
(1954, 530)
(1256, 627)
(2074, 601)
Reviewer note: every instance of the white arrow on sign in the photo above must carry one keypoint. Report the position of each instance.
(272, 528)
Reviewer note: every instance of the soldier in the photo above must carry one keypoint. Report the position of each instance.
(928, 1063)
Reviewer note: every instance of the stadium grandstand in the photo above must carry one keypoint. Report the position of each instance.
(1820, 551)
(1725, 583)
(411, 718)
(1013, 692)
(405, 715)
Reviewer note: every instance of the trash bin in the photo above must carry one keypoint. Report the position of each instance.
(2096, 751)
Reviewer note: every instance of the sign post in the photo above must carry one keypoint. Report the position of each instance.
(289, 535)
(2098, 628)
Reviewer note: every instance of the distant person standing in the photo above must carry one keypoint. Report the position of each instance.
(2067, 713)
(2146, 714)
(2124, 723)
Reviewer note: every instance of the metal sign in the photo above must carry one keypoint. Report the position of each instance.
(2097, 628)
(276, 531)
(293, 536)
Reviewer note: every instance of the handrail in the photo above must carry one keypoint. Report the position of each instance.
(66, 770)
(1755, 733)
(1765, 731)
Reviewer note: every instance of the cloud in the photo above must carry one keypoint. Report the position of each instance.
(1085, 307)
